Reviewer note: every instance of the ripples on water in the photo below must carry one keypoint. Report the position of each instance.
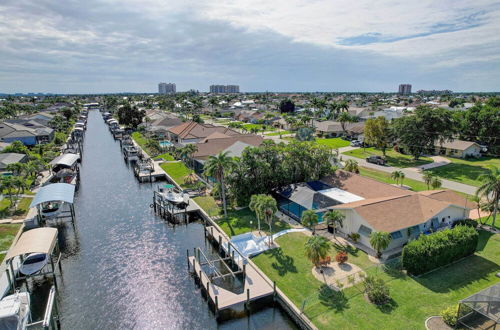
(123, 267)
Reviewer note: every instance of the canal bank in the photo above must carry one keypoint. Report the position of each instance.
(125, 268)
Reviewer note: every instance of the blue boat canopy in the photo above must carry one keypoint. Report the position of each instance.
(54, 192)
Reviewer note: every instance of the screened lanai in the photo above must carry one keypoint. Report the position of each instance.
(482, 309)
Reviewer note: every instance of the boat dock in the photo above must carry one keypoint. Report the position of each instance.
(254, 285)
(152, 174)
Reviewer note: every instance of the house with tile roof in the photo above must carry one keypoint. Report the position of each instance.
(369, 206)
(458, 149)
(193, 132)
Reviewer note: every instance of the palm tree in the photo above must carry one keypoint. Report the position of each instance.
(436, 182)
(254, 206)
(350, 165)
(216, 167)
(380, 240)
(344, 118)
(267, 207)
(398, 176)
(428, 177)
(190, 150)
(309, 219)
(490, 189)
(335, 218)
(317, 248)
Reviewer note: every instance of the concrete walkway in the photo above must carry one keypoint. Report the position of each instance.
(437, 162)
(411, 173)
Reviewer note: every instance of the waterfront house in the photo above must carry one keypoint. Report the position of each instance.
(9, 158)
(192, 132)
(369, 206)
(458, 149)
(160, 126)
(331, 128)
(36, 134)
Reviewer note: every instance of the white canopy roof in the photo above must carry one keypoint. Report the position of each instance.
(63, 192)
(341, 195)
(65, 159)
(40, 240)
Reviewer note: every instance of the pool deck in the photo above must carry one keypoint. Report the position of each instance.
(255, 285)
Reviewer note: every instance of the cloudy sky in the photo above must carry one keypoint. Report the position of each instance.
(87, 46)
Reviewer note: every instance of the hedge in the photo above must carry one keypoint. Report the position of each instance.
(429, 252)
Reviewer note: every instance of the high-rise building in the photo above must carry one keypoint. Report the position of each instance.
(405, 89)
(221, 89)
(164, 88)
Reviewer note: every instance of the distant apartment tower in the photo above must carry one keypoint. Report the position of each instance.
(223, 89)
(164, 88)
(404, 89)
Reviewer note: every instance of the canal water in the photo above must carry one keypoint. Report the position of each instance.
(124, 268)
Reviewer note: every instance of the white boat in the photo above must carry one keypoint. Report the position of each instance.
(51, 209)
(173, 197)
(15, 311)
(33, 263)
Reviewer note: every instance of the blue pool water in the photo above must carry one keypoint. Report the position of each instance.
(165, 144)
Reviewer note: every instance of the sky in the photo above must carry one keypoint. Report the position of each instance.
(105, 46)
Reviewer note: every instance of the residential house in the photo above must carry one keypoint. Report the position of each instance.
(458, 149)
(161, 125)
(369, 206)
(246, 116)
(36, 134)
(331, 128)
(192, 132)
(9, 158)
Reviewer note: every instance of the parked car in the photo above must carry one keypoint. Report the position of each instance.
(356, 143)
(376, 160)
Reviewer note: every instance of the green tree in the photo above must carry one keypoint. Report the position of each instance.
(267, 208)
(255, 201)
(317, 248)
(436, 182)
(377, 133)
(398, 176)
(380, 240)
(130, 115)
(428, 177)
(287, 106)
(350, 165)
(345, 118)
(490, 189)
(217, 167)
(309, 219)
(334, 218)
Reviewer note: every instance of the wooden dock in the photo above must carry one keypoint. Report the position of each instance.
(255, 286)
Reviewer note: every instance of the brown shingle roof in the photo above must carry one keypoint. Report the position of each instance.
(396, 213)
(449, 196)
(362, 186)
(193, 130)
(211, 147)
(455, 144)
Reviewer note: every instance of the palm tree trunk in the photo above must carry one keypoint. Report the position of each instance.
(223, 191)
(495, 210)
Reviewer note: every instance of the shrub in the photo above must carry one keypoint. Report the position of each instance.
(341, 257)
(450, 315)
(354, 237)
(432, 251)
(465, 222)
(376, 290)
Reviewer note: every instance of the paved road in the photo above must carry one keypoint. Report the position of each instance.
(411, 173)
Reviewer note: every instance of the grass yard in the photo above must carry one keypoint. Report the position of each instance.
(238, 222)
(393, 158)
(22, 207)
(177, 171)
(386, 177)
(490, 221)
(278, 133)
(7, 234)
(413, 299)
(466, 170)
(333, 143)
(166, 156)
(208, 204)
(140, 140)
(248, 127)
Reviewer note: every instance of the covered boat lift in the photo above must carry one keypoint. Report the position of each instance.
(482, 309)
(39, 240)
(68, 160)
(56, 192)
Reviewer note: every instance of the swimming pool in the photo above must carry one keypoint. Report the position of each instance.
(165, 144)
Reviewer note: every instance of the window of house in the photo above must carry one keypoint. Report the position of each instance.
(365, 231)
(396, 235)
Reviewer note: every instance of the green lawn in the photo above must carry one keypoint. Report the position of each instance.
(465, 170)
(177, 171)
(7, 234)
(278, 133)
(166, 156)
(413, 299)
(333, 143)
(208, 204)
(490, 221)
(248, 127)
(386, 177)
(238, 222)
(22, 207)
(393, 158)
(140, 140)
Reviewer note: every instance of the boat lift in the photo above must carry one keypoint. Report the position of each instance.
(56, 192)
